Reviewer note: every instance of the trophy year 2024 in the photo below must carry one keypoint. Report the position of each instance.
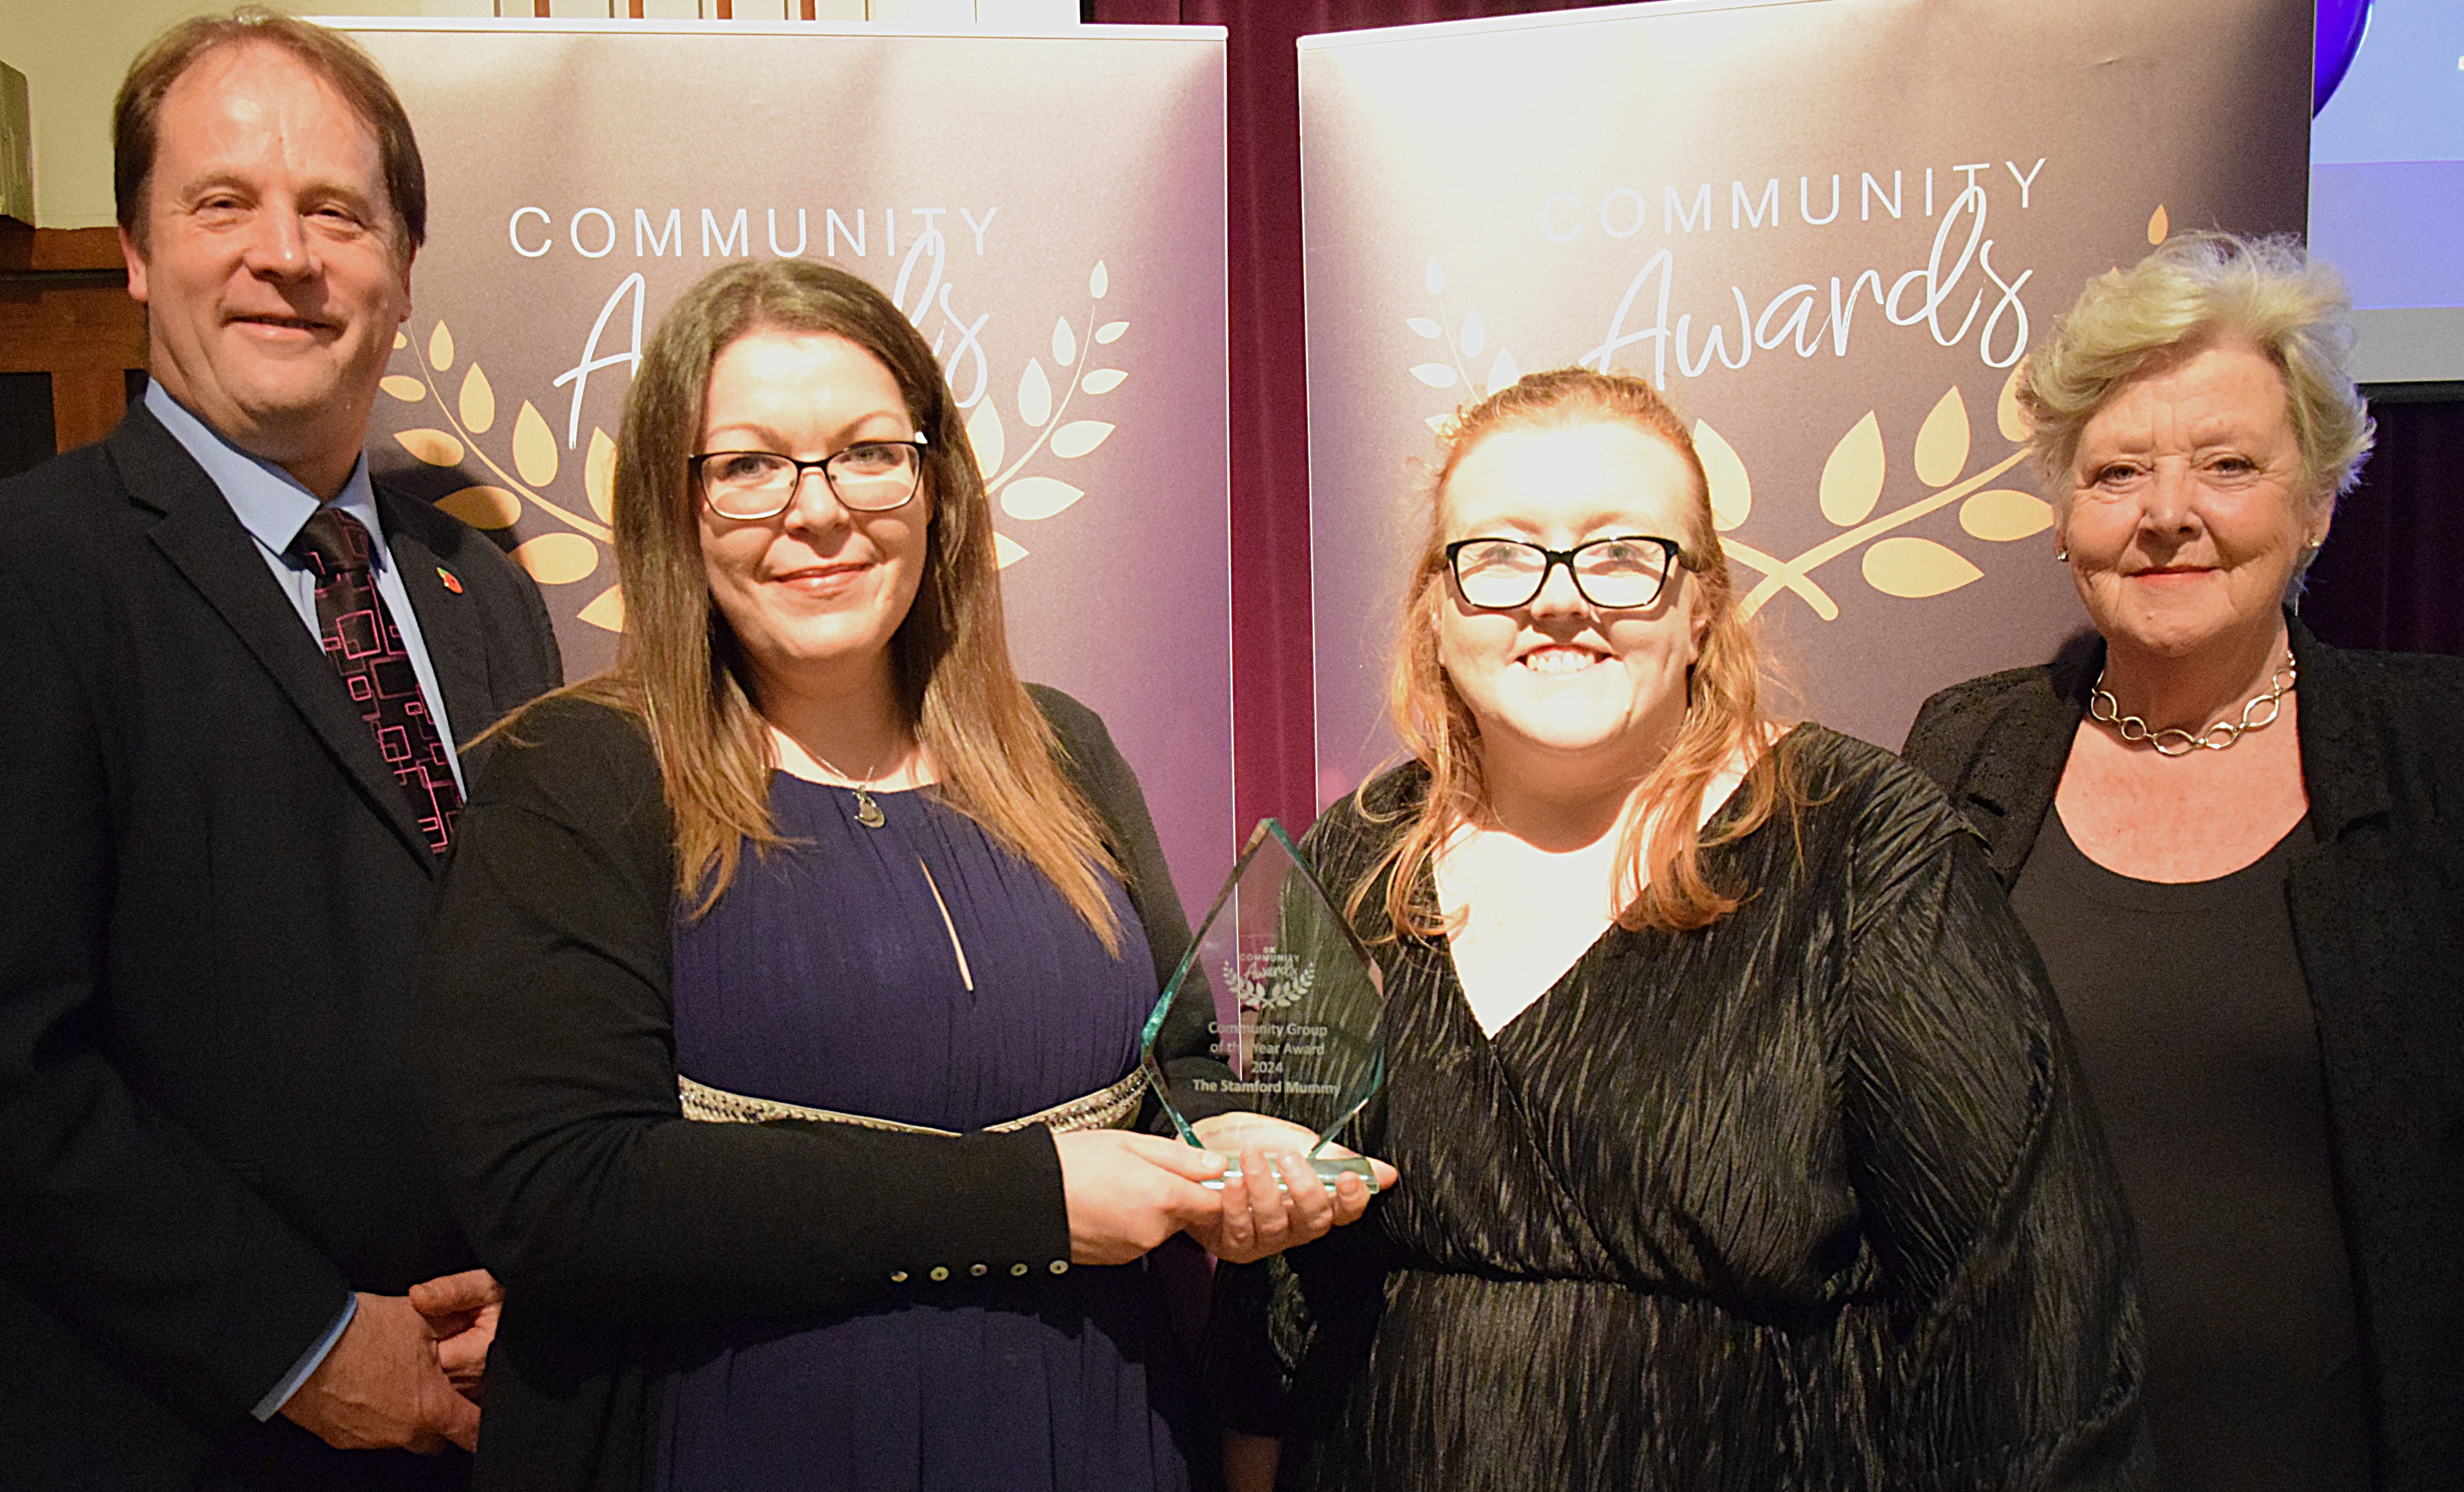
(1292, 1005)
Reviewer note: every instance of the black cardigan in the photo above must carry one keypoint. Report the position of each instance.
(2377, 898)
(548, 1032)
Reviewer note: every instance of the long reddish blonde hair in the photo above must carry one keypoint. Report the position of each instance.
(1660, 880)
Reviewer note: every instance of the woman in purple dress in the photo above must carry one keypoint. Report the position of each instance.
(794, 1161)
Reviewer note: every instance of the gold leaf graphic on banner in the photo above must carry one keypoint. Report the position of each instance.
(1852, 478)
(440, 349)
(2008, 416)
(1103, 380)
(483, 507)
(606, 611)
(478, 402)
(1078, 438)
(1732, 492)
(599, 476)
(1914, 568)
(1064, 345)
(1942, 443)
(1110, 333)
(984, 433)
(400, 342)
(1097, 282)
(1034, 394)
(1032, 497)
(2159, 226)
(558, 559)
(434, 447)
(534, 447)
(1006, 551)
(1855, 475)
(451, 447)
(402, 386)
(2003, 515)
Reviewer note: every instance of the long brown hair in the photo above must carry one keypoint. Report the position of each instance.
(1660, 880)
(679, 668)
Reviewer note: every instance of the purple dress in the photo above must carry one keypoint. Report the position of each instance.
(826, 976)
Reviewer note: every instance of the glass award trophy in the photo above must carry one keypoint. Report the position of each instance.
(1276, 1010)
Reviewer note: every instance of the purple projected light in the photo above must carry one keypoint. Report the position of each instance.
(2386, 180)
(2341, 24)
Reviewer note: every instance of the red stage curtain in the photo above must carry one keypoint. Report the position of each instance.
(2393, 573)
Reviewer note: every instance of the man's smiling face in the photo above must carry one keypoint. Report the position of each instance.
(275, 270)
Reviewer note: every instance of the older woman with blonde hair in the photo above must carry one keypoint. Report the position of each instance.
(2242, 855)
(1741, 1146)
(789, 980)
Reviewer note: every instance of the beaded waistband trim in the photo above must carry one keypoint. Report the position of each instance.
(1107, 1108)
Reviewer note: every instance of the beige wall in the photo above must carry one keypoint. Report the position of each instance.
(74, 53)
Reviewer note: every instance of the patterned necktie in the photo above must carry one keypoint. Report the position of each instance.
(368, 652)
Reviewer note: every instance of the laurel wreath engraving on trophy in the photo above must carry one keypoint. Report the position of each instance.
(1855, 477)
(1269, 981)
(571, 554)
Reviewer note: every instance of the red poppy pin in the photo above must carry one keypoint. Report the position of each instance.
(453, 582)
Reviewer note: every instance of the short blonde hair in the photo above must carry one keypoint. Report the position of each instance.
(2196, 289)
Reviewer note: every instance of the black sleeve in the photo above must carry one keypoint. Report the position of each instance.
(1103, 775)
(544, 669)
(113, 1218)
(1982, 1179)
(548, 1035)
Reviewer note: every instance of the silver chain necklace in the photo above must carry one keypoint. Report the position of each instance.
(2258, 713)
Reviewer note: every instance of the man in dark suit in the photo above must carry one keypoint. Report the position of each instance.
(231, 679)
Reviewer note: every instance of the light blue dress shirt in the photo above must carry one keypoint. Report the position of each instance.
(273, 508)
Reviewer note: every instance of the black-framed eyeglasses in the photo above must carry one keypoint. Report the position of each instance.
(1625, 573)
(868, 476)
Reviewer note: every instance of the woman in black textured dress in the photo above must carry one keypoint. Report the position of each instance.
(1743, 1147)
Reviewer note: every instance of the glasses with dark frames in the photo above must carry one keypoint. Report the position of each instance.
(1624, 572)
(868, 476)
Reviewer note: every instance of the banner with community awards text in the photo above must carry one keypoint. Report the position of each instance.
(1828, 229)
(1048, 210)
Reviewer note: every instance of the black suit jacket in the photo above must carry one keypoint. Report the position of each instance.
(214, 894)
(2376, 889)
